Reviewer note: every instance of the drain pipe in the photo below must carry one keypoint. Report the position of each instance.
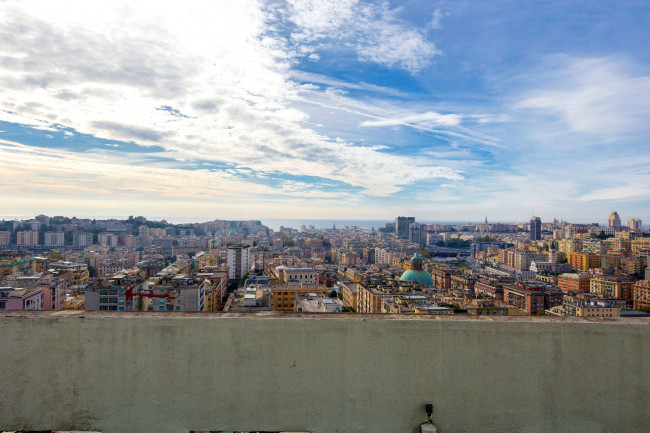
(429, 426)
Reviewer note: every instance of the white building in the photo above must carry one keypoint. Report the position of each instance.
(82, 239)
(54, 239)
(238, 259)
(634, 224)
(107, 239)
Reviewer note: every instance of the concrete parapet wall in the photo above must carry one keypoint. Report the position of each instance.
(179, 372)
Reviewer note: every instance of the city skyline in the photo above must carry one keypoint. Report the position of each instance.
(321, 109)
(325, 223)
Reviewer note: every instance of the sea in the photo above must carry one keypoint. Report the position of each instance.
(275, 223)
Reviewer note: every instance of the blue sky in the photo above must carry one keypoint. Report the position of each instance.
(448, 110)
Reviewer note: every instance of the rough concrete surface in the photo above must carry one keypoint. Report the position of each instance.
(179, 372)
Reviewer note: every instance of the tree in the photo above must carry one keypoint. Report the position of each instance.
(243, 279)
(333, 294)
(603, 236)
(92, 272)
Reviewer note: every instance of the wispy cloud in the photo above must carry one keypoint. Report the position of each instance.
(311, 77)
(606, 96)
(436, 19)
(429, 119)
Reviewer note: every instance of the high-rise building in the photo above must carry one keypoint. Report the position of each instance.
(402, 226)
(82, 239)
(54, 239)
(614, 220)
(634, 224)
(415, 233)
(5, 238)
(27, 238)
(535, 228)
(238, 257)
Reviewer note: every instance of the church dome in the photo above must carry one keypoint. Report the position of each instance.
(416, 273)
(421, 276)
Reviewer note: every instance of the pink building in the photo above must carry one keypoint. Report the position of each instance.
(53, 296)
(20, 299)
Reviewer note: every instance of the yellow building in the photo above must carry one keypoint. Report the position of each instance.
(610, 261)
(632, 265)
(369, 299)
(612, 287)
(547, 278)
(583, 261)
(11, 265)
(620, 244)
(214, 293)
(570, 246)
(350, 294)
(640, 244)
(582, 306)
(284, 296)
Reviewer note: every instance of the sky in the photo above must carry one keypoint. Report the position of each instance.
(343, 109)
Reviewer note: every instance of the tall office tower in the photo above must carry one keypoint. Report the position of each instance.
(634, 224)
(402, 226)
(239, 257)
(415, 233)
(614, 220)
(535, 228)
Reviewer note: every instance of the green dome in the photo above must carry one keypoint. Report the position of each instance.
(232, 233)
(421, 276)
(416, 258)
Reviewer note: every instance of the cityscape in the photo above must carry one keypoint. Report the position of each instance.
(403, 267)
(324, 216)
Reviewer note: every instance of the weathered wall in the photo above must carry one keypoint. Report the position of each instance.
(176, 372)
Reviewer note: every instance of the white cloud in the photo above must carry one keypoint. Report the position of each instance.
(429, 118)
(340, 84)
(436, 19)
(375, 32)
(107, 73)
(607, 97)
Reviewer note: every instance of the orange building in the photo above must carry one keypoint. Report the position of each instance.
(571, 283)
(642, 294)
